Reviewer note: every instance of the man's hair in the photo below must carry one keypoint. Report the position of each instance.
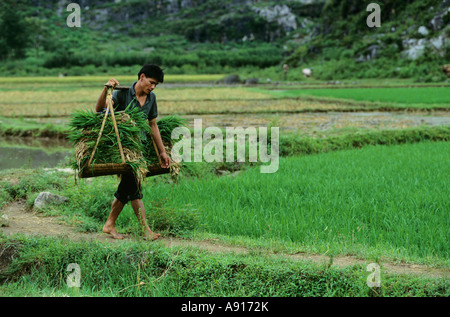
(152, 71)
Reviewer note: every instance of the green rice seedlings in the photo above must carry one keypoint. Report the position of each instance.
(135, 137)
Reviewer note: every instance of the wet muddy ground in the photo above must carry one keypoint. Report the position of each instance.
(309, 123)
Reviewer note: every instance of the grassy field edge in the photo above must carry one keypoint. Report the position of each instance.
(38, 267)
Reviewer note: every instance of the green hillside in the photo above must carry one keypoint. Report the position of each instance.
(254, 38)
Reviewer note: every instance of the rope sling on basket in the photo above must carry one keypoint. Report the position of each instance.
(94, 170)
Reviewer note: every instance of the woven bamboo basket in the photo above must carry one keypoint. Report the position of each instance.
(118, 168)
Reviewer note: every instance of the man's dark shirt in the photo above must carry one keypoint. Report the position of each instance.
(122, 98)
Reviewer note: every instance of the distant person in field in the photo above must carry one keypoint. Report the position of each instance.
(140, 95)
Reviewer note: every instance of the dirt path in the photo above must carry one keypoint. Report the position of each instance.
(20, 220)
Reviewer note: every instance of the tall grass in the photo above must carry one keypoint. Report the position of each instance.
(38, 267)
(388, 198)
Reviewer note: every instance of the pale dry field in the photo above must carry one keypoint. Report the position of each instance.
(59, 102)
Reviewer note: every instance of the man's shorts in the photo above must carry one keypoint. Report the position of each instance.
(129, 189)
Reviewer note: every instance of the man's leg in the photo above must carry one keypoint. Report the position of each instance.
(139, 211)
(109, 226)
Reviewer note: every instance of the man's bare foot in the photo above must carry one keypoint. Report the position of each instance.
(150, 235)
(112, 231)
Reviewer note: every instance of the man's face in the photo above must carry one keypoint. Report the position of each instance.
(148, 83)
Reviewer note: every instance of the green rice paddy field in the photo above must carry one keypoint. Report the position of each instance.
(397, 95)
(377, 203)
(372, 98)
(388, 199)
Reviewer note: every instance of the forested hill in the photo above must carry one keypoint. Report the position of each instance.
(331, 36)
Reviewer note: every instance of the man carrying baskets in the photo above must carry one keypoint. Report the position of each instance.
(141, 95)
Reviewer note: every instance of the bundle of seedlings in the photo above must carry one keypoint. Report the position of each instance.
(85, 129)
(165, 125)
(135, 137)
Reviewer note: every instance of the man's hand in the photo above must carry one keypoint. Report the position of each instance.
(101, 102)
(165, 160)
(112, 82)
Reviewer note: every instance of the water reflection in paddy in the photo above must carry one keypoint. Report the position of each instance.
(16, 152)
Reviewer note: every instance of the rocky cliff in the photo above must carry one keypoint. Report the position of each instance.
(197, 20)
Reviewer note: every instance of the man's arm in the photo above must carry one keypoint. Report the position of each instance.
(101, 102)
(165, 160)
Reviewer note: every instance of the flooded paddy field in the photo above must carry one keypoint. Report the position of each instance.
(17, 152)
